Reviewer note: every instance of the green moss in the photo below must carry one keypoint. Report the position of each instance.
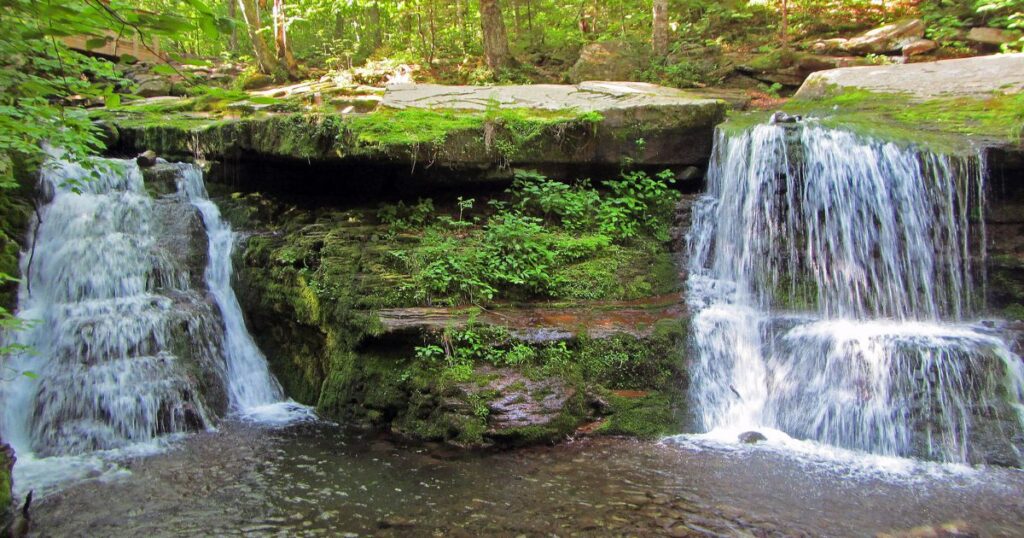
(936, 122)
(410, 126)
(647, 417)
(641, 269)
(776, 59)
(1015, 311)
(5, 486)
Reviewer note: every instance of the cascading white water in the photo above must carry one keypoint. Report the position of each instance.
(253, 389)
(122, 337)
(830, 279)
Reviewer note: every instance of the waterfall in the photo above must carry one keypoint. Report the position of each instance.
(252, 388)
(833, 279)
(133, 329)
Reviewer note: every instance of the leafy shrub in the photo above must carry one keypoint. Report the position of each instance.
(520, 249)
(636, 202)
(517, 252)
(570, 205)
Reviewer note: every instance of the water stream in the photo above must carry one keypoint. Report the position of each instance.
(835, 282)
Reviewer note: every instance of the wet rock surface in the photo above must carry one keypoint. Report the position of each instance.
(316, 480)
(521, 401)
(542, 323)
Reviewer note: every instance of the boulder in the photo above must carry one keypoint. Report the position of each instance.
(521, 402)
(146, 158)
(992, 36)
(608, 60)
(256, 81)
(789, 67)
(918, 47)
(752, 437)
(593, 123)
(962, 77)
(830, 45)
(154, 86)
(888, 38)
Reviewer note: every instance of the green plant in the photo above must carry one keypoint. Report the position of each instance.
(554, 201)
(635, 204)
(517, 252)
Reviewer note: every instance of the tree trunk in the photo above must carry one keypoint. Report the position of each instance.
(659, 34)
(460, 17)
(785, 23)
(373, 14)
(284, 54)
(233, 15)
(265, 60)
(496, 49)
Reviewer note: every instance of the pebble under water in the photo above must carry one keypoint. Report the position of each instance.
(316, 479)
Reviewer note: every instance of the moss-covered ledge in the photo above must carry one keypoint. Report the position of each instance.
(474, 321)
(950, 106)
(484, 128)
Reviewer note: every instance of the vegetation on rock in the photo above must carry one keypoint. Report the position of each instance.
(999, 118)
(313, 288)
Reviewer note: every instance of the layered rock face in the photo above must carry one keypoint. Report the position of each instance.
(485, 129)
(344, 304)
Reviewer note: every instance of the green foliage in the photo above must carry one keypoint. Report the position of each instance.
(635, 204)
(43, 82)
(525, 246)
(647, 417)
(570, 205)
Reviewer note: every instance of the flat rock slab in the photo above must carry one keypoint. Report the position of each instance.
(644, 124)
(544, 324)
(595, 96)
(965, 77)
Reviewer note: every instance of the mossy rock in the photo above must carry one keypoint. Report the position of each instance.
(645, 415)
(6, 486)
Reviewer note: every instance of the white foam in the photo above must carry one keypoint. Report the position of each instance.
(278, 413)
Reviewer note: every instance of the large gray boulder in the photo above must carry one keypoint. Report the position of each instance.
(992, 36)
(885, 39)
(607, 60)
(888, 38)
(963, 77)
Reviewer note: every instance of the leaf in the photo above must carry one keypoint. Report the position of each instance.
(264, 100)
(194, 61)
(30, 374)
(164, 69)
(128, 59)
(208, 26)
(112, 101)
(96, 42)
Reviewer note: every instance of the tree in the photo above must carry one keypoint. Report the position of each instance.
(659, 33)
(784, 29)
(496, 50)
(265, 61)
(284, 53)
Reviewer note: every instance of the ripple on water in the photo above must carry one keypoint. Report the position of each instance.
(313, 479)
